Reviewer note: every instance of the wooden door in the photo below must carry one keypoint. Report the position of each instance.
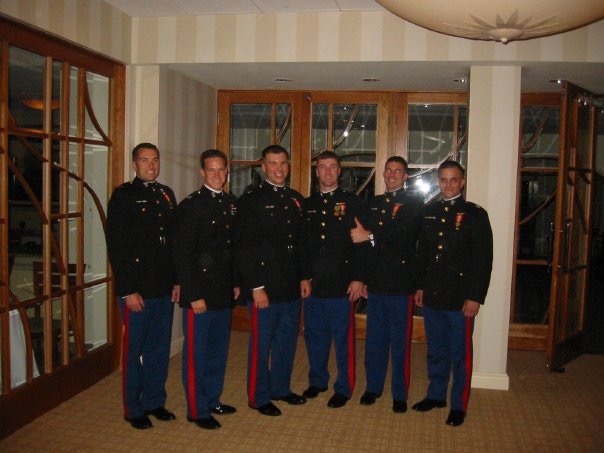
(572, 230)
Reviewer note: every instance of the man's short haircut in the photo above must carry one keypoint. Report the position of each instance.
(452, 164)
(398, 160)
(210, 153)
(274, 149)
(140, 146)
(324, 155)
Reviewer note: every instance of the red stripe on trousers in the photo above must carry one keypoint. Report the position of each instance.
(469, 361)
(351, 364)
(410, 303)
(253, 377)
(191, 363)
(125, 357)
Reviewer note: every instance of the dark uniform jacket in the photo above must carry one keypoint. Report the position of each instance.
(203, 241)
(329, 256)
(394, 220)
(268, 229)
(139, 232)
(455, 253)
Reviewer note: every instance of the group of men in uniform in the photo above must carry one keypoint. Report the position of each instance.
(280, 252)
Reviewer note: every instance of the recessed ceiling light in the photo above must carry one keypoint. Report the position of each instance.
(558, 81)
(371, 79)
(461, 80)
(282, 80)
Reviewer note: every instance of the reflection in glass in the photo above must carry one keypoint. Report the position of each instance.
(26, 88)
(431, 133)
(354, 131)
(320, 123)
(437, 132)
(243, 176)
(57, 71)
(532, 294)
(95, 316)
(540, 136)
(18, 351)
(250, 130)
(537, 212)
(73, 101)
(583, 153)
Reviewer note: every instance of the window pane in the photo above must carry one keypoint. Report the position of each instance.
(283, 121)
(320, 121)
(250, 130)
(57, 73)
(73, 101)
(98, 93)
(540, 136)
(18, 351)
(354, 131)
(532, 294)
(95, 316)
(26, 88)
(96, 174)
(431, 133)
(537, 210)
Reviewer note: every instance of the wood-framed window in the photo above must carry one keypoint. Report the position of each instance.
(61, 153)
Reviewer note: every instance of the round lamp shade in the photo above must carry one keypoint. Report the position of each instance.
(499, 20)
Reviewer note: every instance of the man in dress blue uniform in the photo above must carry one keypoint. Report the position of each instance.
(335, 266)
(139, 236)
(269, 222)
(203, 241)
(455, 256)
(394, 222)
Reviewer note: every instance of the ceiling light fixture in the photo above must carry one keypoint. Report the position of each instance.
(38, 104)
(498, 20)
(282, 80)
(461, 80)
(371, 79)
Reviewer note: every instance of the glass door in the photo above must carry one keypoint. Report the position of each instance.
(572, 229)
(536, 210)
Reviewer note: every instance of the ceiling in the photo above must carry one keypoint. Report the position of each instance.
(399, 76)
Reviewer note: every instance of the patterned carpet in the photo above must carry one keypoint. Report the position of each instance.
(541, 412)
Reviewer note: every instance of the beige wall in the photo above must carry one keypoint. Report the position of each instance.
(90, 23)
(187, 126)
(333, 36)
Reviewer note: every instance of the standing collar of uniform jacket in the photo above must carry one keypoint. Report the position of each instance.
(212, 191)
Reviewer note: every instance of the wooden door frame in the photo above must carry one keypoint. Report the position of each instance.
(20, 405)
(391, 140)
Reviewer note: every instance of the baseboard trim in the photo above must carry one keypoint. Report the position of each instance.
(491, 381)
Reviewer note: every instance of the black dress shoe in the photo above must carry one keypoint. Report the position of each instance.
(223, 409)
(161, 413)
(312, 391)
(369, 398)
(206, 423)
(337, 400)
(292, 398)
(427, 404)
(140, 422)
(268, 409)
(399, 406)
(455, 418)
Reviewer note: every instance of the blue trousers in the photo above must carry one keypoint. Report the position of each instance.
(326, 320)
(271, 352)
(449, 338)
(204, 359)
(389, 327)
(145, 355)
